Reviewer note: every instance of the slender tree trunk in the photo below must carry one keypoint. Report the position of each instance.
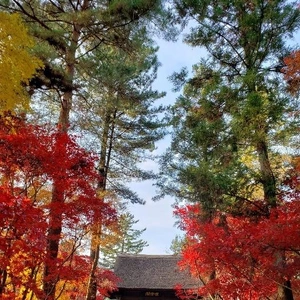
(269, 186)
(3, 281)
(96, 231)
(64, 115)
(51, 275)
(285, 291)
(105, 153)
(26, 291)
(94, 257)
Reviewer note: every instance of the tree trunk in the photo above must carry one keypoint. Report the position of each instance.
(269, 186)
(51, 275)
(106, 147)
(94, 257)
(267, 177)
(285, 291)
(3, 279)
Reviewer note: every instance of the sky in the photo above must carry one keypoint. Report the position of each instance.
(157, 217)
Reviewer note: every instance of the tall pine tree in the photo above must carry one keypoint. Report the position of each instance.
(235, 112)
(121, 120)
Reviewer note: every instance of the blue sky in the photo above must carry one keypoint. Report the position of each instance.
(157, 217)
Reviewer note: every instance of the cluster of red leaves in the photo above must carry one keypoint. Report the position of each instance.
(243, 258)
(35, 156)
(292, 71)
(76, 274)
(32, 158)
(22, 242)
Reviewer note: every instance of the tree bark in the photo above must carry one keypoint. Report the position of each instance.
(267, 177)
(285, 291)
(91, 293)
(105, 150)
(51, 276)
(3, 280)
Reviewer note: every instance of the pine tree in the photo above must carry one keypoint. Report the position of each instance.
(177, 244)
(128, 238)
(121, 120)
(235, 112)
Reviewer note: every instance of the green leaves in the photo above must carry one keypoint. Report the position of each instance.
(127, 240)
(234, 104)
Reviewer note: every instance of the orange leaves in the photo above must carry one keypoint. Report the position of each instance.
(292, 71)
(22, 230)
(74, 276)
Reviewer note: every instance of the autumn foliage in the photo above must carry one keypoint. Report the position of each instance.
(17, 63)
(292, 71)
(238, 257)
(31, 159)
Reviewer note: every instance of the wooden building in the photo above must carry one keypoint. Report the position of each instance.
(150, 277)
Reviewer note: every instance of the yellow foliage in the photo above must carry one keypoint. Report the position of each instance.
(17, 64)
(20, 277)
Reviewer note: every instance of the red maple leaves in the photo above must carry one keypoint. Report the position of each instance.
(243, 258)
(32, 158)
(292, 71)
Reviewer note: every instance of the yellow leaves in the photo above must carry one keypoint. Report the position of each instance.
(21, 272)
(17, 64)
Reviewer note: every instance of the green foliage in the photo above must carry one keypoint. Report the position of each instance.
(100, 61)
(223, 152)
(67, 33)
(128, 241)
(122, 116)
(68, 36)
(178, 244)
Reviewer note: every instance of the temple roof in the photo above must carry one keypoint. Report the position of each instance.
(151, 272)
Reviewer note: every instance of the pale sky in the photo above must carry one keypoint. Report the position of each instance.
(157, 217)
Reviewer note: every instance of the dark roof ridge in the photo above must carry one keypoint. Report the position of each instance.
(148, 255)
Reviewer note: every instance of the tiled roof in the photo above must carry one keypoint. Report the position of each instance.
(151, 272)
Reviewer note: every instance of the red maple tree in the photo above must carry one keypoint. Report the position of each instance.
(32, 158)
(292, 71)
(239, 257)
